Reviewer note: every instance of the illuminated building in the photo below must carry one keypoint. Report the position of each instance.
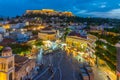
(39, 27)
(81, 47)
(23, 67)
(91, 40)
(67, 13)
(13, 26)
(47, 34)
(7, 68)
(49, 12)
(6, 26)
(2, 30)
(14, 67)
(77, 42)
(81, 41)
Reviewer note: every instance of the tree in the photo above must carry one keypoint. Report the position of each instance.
(38, 43)
(21, 49)
(67, 31)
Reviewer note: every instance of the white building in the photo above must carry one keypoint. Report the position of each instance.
(2, 30)
(4, 22)
(22, 37)
(18, 25)
(6, 35)
(78, 27)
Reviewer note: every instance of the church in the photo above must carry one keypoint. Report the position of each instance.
(14, 67)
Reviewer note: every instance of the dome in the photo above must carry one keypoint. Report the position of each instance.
(7, 51)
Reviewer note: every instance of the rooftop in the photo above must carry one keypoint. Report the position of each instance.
(20, 61)
(74, 33)
(6, 41)
(47, 28)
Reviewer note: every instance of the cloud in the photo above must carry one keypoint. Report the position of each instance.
(114, 13)
(82, 12)
(119, 4)
(75, 8)
(103, 6)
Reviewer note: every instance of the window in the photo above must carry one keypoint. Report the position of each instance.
(10, 76)
(10, 64)
(2, 66)
(21, 78)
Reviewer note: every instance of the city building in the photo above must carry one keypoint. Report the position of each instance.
(101, 27)
(6, 26)
(91, 40)
(77, 27)
(47, 34)
(22, 38)
(23, 67)
(19, 35)
(76, 42)
(18, 25)
(14, 67)
(74, 39)
(7, 65)
(2, 30)
(4, 22)
(7, 41)
(48, 12)
(81, 47)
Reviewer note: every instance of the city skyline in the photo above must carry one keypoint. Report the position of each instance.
(59, 40)
(93, 8)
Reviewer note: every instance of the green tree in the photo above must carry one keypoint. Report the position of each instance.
(38, 43)
(66, 32)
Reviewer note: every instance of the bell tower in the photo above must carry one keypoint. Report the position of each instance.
(7, 68)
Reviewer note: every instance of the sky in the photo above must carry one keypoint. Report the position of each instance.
(84, 8)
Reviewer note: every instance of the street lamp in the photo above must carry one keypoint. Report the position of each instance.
(105, 46)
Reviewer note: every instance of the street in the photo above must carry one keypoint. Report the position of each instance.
(62, 68)
(59, 66)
